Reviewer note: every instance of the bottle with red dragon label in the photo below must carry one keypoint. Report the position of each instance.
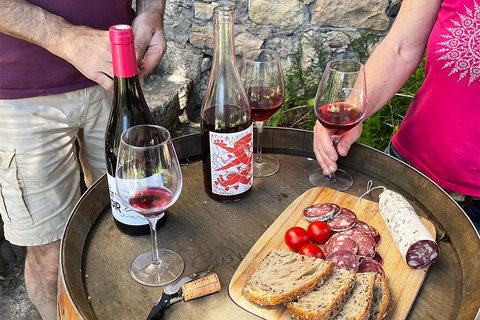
(226, 126)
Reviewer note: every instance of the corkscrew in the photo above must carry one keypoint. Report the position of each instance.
(193, 286)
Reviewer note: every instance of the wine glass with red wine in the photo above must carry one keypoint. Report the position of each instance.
(149, 181)
(263, 81)
(340, 104)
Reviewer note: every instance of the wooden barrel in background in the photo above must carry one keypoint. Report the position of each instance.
(88, 265)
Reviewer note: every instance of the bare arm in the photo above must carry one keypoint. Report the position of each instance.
(150, 40)
(85, 48)
(387, 69)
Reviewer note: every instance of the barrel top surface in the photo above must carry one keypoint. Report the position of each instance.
(95, 256)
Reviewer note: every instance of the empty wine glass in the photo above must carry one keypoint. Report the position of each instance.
(340, 104)
(149, 181)
(263, 81)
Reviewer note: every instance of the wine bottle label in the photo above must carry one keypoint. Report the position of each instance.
(231, 157)
(120, 211)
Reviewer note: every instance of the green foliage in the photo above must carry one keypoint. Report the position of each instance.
(380, 127)
(363, 45)
(300, 88)
(301, 85)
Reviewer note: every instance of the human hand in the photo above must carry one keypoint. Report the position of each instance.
(324, 150)
(150, 42)
(89, 51)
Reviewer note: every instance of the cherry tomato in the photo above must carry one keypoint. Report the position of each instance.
(312, 250)
(296, 237)
(319, 232)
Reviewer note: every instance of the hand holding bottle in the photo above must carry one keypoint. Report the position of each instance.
(150, 42)
(88, 49)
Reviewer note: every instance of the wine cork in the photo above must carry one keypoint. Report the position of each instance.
(201, 287)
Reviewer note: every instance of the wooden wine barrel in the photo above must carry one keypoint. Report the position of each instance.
(95, 256)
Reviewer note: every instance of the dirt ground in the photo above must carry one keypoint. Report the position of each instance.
(14, 302)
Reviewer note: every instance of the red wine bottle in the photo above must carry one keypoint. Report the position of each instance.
(226, 126)
(128, 109)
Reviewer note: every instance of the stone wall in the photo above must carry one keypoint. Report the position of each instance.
(289, 27)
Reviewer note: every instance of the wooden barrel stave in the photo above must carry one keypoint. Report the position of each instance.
(457, 244)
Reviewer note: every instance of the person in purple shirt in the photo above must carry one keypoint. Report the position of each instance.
(56, 82)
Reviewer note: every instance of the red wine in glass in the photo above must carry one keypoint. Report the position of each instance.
(340, 104)
(263, 81)
(338, 117)
(151, 201)
(264, 102)
(149, 181)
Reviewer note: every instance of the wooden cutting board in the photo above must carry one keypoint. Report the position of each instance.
(404, 282)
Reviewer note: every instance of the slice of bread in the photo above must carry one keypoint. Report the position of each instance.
(380, 299)
(284, 276)
(357, 306)
(326, 300)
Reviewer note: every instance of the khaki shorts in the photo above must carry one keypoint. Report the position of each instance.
(39, 171)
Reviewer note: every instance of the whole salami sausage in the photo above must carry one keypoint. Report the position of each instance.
(415, 243)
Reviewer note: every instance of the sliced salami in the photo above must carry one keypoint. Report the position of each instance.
(338, 209)
(365, 227)
(415, 243)
(344, 221)
(344, 259)
(377, 257)
(370, 265)
(377, 239)
(366, 244)
(320, 211)
(340, 241)
(421, 254)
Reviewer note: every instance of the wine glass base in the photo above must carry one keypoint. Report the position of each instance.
(342, 182)
(145, 272)
(268, 167)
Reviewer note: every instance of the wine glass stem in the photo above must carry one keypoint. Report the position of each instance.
(332, 176)
(152, 221)
(258, 159)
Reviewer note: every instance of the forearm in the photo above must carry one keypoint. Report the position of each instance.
(386, 72)
(400, 53)
(31, 23)
(155, 7)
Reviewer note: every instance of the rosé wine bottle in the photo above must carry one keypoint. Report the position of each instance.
(226, 127)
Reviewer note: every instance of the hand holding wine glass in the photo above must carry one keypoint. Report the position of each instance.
(263, 81)
(149, 181)
(340, 104)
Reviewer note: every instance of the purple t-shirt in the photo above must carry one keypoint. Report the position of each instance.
(28, 70)
(440, 134)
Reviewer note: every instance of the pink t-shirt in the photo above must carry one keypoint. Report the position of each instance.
(440, 134)
(27, 70)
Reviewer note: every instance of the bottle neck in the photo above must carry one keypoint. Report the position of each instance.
(224, 53)
(124, 61)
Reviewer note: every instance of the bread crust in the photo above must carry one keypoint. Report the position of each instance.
(379, 308)
(364, 283)
(274, 298)
(331, 310)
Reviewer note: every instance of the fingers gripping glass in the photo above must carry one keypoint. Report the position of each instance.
(340, 104)
(149, 181)
(263, 81)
